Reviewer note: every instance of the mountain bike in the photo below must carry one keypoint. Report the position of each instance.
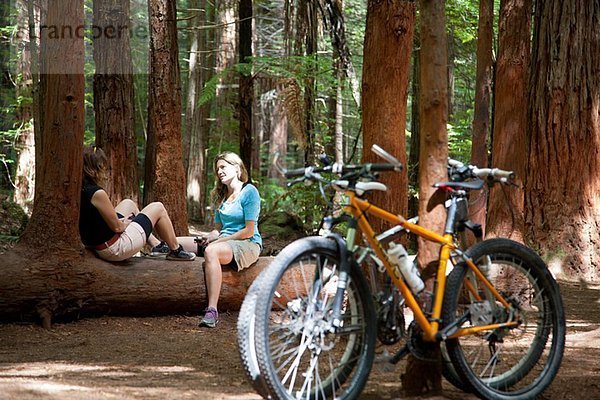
(498, 312)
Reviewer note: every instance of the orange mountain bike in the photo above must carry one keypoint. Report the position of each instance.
(309, 323)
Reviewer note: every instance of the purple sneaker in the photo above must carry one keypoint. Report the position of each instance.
(210, 319)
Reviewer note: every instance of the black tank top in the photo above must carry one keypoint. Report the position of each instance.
(92, 228)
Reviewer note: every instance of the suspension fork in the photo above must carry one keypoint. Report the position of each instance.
(345, 248)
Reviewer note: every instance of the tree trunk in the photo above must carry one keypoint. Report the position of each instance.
(562, 189)
(114, 99)
(509, 145)
(91, 286)
(388, 44)
(225, 99)
(197, 115)
(25, 143)
(58, 186)
(433, 116)
(413, 155)
(483, 91)
(42, 87)
(340, 45)
(308, 19)
(450, 72)
(246, 91)
(164, 177)
(278, 140)
(194, 86)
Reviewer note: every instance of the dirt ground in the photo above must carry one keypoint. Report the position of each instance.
(171, 358)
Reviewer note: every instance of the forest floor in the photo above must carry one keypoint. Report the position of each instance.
(171, 358)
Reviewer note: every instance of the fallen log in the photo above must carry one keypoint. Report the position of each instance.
(47, 288)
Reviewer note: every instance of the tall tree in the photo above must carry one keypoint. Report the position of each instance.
(58, 187)
(25, 80)
(413, 154)
(386, 70)
(201, 66)
(424, 376)
(307, 39)
(278, 138)
(226, 57)
(164, 175)
(509, 145)
(114, 98)
(246, 91)
(562, 189)
(483, 92)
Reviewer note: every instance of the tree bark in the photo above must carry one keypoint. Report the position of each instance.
(114, 99)
(164, 176)
(91, 286)
(562, 188)
(246, 90)
(433, 116)
(388, 44)
(509, 145)
(56, 206)
(483, 92)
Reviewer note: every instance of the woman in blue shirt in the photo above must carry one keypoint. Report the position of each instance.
(235, 241)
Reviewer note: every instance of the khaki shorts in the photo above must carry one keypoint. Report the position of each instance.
(128, 245)
(245, 253)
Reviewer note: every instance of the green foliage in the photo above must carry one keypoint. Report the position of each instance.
(459, 136)
(304, 202)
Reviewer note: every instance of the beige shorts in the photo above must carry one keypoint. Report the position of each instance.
(128, 245)
(245, 253)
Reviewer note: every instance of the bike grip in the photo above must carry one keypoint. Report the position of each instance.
(455, 163)
(500, 173)
(291, 173)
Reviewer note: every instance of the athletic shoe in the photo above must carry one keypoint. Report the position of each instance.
(180, 255)
(160, 250)
(210, 319)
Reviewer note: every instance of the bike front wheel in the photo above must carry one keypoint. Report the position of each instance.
(517, 362)
(298, 351)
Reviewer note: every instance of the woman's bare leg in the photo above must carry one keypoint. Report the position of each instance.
(159, 217)
(128, 208)
(215, 255)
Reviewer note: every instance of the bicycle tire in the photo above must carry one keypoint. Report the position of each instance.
(328, 365)
(529, 356)
(246, 338)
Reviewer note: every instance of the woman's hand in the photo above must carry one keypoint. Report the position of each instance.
(212, 236)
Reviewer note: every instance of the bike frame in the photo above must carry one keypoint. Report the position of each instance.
(359, 208)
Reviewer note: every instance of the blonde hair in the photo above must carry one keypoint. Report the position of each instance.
(219, 193)
(94, 164)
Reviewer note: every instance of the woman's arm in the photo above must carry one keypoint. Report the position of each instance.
(245, 233)
(102, 203)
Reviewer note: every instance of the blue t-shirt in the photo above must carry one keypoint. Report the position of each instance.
(233, 215)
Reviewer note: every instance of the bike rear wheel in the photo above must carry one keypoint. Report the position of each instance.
(298, 352)
(246, 338)
(506, 363)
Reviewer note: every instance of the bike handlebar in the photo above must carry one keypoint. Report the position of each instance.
(337, 168)
(471, 171)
